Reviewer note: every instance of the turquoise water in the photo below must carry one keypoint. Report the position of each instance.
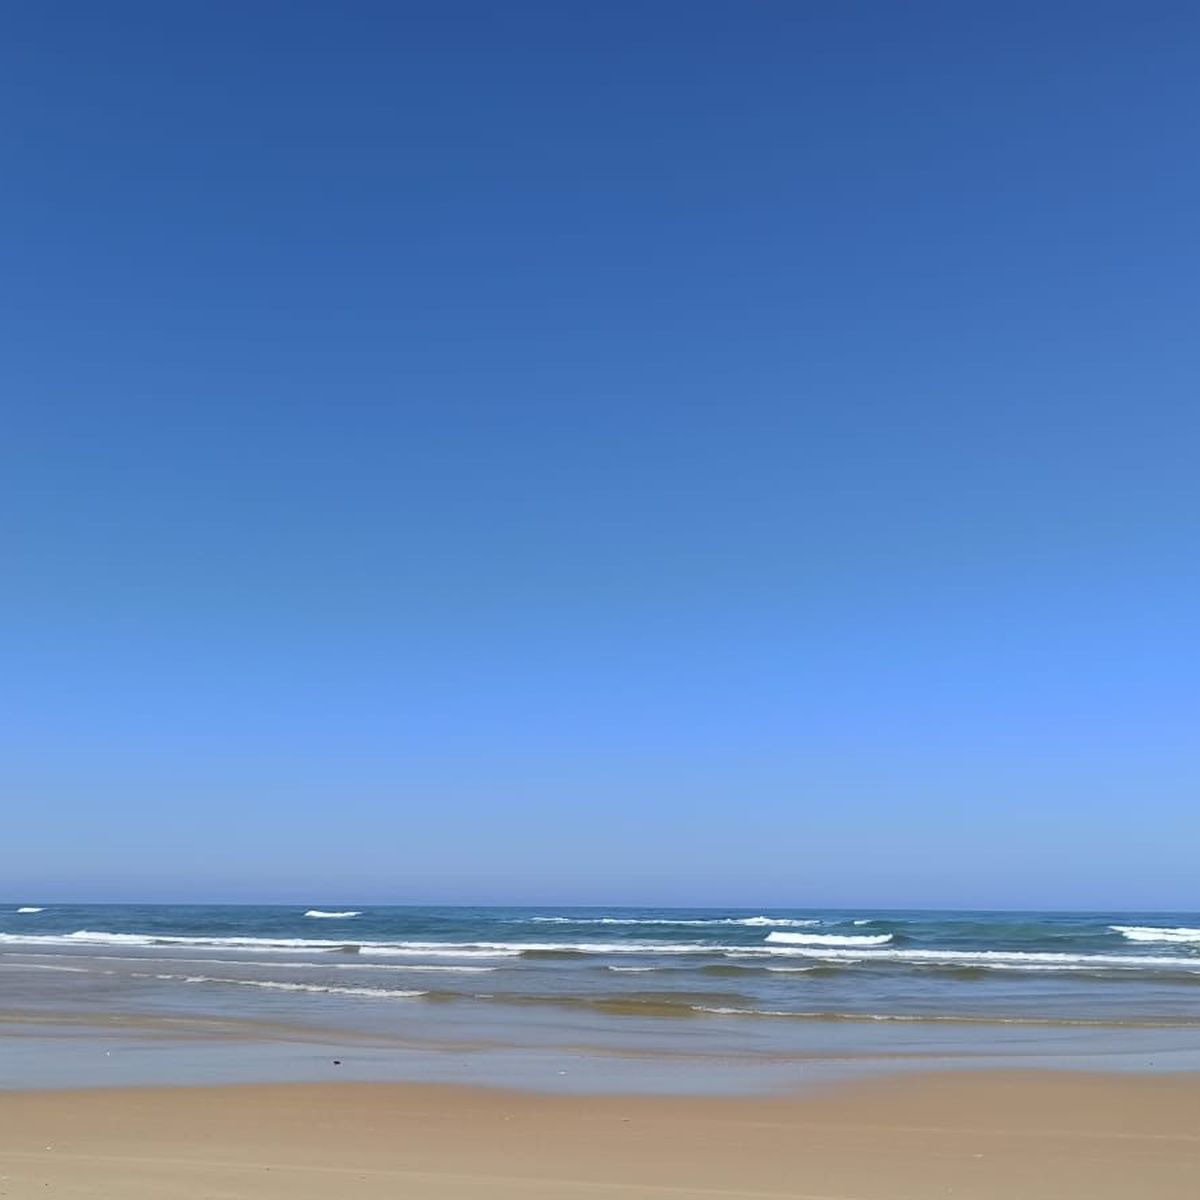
(701, 985)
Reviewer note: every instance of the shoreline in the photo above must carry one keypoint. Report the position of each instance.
(69, 1051)
(972, 1134)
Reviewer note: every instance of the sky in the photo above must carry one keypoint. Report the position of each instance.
(664, 453)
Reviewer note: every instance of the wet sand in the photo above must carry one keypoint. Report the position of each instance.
(983, 1135)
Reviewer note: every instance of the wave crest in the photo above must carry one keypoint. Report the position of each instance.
(781, 922)
(1149, 933)
(831, 939)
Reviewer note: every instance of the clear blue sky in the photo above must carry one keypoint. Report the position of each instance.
(741, 453)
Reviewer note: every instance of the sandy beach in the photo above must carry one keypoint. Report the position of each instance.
(983, 1135)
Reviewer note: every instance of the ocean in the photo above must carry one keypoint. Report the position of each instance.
(493, 994)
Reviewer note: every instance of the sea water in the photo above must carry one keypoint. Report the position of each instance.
(480, 994)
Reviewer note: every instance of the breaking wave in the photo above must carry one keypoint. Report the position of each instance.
(1013, 959)
(91, 937)
(1149, 933)
(831, 939)
(752, 922)
(1178, 955)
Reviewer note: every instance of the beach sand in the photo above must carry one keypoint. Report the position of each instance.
(984, 1135)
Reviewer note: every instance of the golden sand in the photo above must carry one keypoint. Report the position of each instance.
(999, 1135)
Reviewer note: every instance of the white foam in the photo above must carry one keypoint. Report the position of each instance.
(1076, 968)
(943, 1018)
(828, 947)
(280, 985)
(90, 937)
(831, 939)
(507, 949)
(788, 922)
(1150, 933)
(609, 948)
(29, 908)
(750, 921)
(276, 965)
(458, 970)
(438, 950)
(422, 949)
(632, 970)
(979, 958)
(98, 938)
(331, 916)
(724, 1011)
(45, 967)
